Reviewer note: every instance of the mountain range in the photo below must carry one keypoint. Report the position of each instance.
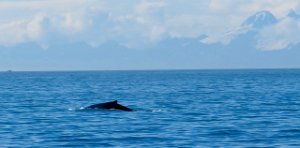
(239, 50)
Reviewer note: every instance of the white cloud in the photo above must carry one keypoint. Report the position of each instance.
(146, 6)
(12, 32)
(239, 11)
(136, 23)
(34, 26)
(46, 22)
(71, 23)
(280, 36)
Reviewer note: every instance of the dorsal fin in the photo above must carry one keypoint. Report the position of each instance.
(116, 101)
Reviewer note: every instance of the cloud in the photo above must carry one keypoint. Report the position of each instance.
(12, 32)
(146, 6)
(280, 36)
(48, 22)
(137, 23)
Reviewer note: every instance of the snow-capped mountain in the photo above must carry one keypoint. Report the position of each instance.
(293, 14)
(248, 29)
(260, 20)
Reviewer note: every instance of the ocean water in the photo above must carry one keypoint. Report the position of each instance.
(192, 108)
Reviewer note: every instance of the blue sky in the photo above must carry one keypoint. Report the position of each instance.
(148, 34)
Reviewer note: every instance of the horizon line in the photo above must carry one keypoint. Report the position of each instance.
(171, 69)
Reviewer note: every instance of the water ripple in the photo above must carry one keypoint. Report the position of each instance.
(230, 108)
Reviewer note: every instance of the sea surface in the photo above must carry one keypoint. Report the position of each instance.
(184, 108)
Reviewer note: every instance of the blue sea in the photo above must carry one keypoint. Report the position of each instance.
(176, 108)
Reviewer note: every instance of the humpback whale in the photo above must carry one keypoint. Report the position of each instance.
(109, 105)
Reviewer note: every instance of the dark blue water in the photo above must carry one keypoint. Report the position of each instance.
(208, 108)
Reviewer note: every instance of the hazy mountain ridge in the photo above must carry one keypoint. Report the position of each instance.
(241, 51)
(250, 28)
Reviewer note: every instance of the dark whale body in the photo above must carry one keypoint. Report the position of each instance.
(109, 105)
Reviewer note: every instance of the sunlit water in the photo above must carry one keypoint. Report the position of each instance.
(208, 108)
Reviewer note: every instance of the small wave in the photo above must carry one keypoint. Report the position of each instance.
(76, 108)
(160, 110)
(290, 131)
(157, 110)
(227, 132)
(287, 133)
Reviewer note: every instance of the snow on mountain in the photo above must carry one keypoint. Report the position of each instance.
(263, 31)
(293, 14)
(248, 29)
(260, 20)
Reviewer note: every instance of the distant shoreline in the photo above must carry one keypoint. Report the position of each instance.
(150, 70)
